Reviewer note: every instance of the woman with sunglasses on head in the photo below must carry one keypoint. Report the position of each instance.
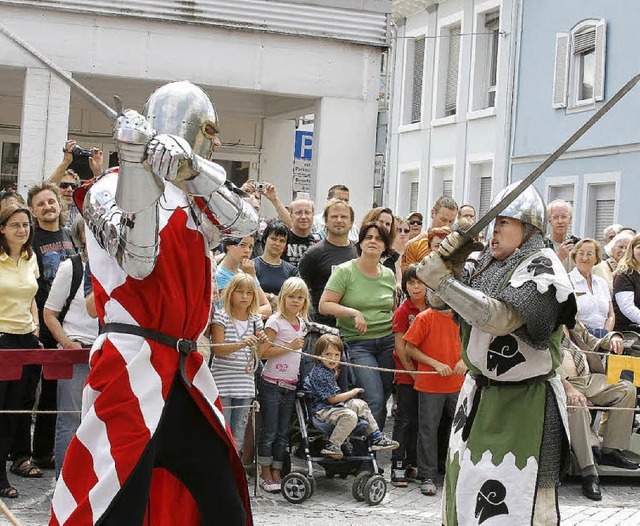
(403, 234)
(19, 328)
(68, 180)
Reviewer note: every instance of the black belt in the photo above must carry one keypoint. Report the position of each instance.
(482, 381)
(182, 345)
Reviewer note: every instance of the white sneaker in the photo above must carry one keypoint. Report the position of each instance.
(269, 485)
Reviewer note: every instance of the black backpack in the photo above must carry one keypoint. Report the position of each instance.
(76, 280)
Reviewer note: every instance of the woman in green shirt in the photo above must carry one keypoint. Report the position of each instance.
(361, 295)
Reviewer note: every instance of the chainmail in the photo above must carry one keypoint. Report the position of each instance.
(552, 441)
(541, 312)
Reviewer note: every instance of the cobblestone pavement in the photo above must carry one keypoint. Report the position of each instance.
(333, 503)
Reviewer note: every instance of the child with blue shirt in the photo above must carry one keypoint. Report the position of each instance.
(340, 409)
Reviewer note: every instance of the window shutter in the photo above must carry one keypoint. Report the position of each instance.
(413, 196)
(418, 72)
(451, 95)
(447, 187)
(561, 70)
(585, 41)
(485, 196)
(601, 45)
(604, 216)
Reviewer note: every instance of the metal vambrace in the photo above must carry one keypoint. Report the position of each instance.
(485, 313)
(233, 215)
(132, 239)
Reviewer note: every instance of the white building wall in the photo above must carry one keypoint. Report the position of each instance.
(455, 144)
(252, 76)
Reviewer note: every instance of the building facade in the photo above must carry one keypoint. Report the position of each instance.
(569, 64)
(266, 64)
(451, 101)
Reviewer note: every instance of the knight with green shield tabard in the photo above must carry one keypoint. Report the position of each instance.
(509, 437)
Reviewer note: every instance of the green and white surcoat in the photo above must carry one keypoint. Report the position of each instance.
(494, 454)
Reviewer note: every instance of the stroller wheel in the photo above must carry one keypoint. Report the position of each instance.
(374, 490)
(296, 488)
(312, 485)
(357, 488)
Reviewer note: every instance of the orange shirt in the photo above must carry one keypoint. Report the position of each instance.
(437, 336)
(415, 250)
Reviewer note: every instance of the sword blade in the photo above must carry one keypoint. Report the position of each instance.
(98, 103)
(494, 212)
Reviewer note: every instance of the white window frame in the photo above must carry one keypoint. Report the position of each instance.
(408, 80)
(408, 173)
(472, 194)
(567, 80)
(436, 178)
(442, 60)
(588, 183)
(481, 50)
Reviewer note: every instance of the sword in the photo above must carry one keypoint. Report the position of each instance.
(97, 102)
(494, 212)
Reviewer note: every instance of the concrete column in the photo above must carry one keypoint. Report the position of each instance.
(344, 150)
(276, 159)
(45, 122)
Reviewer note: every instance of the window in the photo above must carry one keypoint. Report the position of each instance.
(485, 195)
(447, 187)
(453, 67)
(601, 198)
(413, 196)
(580, 65)
(10, 154)
(414, 69)
(485, 74)
(441, 181)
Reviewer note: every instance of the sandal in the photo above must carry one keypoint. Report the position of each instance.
(25, 468)
(9, 493)
(48, 462)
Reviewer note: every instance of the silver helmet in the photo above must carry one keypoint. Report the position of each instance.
(528, 208)
(185, 110)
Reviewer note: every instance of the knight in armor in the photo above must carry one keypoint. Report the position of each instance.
(153, 447)
(509, 437)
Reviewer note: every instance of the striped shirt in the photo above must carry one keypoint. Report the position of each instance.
(230, 371)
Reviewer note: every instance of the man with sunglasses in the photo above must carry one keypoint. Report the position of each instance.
(68, 180)
(415, 224)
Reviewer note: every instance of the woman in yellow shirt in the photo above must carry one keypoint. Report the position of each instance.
(18, 323)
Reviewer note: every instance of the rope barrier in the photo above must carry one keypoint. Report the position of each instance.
(7, 513)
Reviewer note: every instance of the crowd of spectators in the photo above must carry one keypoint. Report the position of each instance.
(309, 266)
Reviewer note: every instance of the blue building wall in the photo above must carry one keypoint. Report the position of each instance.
(539, 128)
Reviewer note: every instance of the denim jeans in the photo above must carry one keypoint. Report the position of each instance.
(377, 386)
(276, 405)
(69, 399)
(405, 426)
(236, 418)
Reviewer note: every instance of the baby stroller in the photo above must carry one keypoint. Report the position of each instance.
(310, 435)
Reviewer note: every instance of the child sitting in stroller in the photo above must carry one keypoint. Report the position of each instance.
(340, 409)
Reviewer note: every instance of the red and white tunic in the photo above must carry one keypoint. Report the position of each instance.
(130, 378)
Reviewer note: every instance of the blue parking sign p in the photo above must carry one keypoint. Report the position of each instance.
(304, 145)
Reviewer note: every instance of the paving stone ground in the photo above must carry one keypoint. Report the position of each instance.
(333, 504)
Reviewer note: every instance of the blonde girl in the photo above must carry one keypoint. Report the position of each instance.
(277, 387)
(237, 330)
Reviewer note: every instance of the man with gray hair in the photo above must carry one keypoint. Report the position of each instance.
(560, 215)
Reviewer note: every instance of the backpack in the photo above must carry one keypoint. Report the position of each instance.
(76, 280)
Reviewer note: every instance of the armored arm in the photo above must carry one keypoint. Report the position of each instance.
(487, 314)
(130, 238)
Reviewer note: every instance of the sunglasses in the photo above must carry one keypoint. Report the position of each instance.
(66, 184)
(405, 230)
(415, 222)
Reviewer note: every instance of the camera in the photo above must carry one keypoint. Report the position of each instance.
(77, 150)
(261, 187)
(574, 239)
